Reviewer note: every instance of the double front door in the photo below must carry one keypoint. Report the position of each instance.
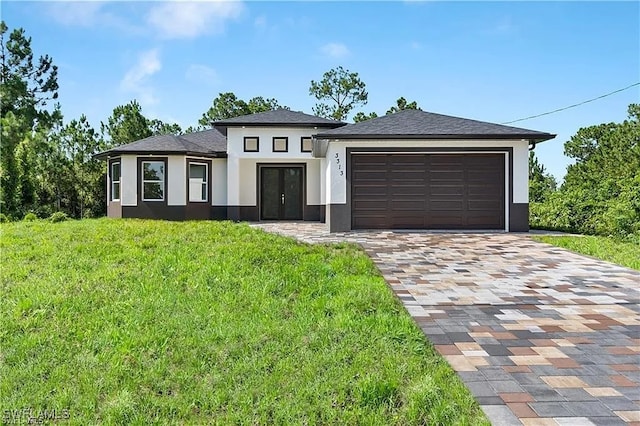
(281, 193)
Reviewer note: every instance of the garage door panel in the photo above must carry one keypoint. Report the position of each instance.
(456, 190)
(433, 191)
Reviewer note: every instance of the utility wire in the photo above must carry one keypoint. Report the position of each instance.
(574, 105)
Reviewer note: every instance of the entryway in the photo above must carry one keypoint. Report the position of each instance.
(281, 192)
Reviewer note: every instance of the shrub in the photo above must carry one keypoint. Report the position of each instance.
(30, 217)
(58, 217)
(4, 218)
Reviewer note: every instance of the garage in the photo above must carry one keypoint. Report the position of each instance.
(428, 191)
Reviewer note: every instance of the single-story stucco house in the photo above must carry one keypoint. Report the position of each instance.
(408, 170)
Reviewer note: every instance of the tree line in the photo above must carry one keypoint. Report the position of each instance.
(600, 194)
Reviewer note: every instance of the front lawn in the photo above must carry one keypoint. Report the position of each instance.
(609, 249)
(131, 321)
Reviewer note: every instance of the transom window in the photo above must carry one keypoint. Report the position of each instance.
(115, 181)
(153, 180)
(306, 144)
(251, 144)
(280, 144)
(198, 182)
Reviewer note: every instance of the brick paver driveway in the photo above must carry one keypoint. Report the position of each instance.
(540, 335)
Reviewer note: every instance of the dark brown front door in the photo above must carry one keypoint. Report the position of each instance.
(281, 194)
(428, 191)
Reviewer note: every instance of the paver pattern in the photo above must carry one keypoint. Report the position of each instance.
(540, 335)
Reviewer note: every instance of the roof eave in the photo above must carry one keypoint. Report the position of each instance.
(116, 153)
(530, 137)
(223, 124)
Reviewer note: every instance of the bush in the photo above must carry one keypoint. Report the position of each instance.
(30, 217)
(58, 217)
(4, 218)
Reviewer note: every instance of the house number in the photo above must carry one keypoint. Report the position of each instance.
(339, 165)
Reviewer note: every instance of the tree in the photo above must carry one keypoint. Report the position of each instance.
(126, 124)
(401, 104)
(343, 90)
(541, 183)
(361, 116)
(601, 190)
(159, 127)
(26, 86)
(85, 189)
(227, 105)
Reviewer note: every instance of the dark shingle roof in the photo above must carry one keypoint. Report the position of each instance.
(279, 117)
(416, 124)
(207, 142)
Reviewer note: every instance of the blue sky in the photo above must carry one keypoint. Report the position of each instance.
(492, 61)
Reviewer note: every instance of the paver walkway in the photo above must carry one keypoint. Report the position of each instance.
(540, 335)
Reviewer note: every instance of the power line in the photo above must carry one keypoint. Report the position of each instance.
(574, 105)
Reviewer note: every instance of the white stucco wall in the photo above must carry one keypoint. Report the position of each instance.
(242, 166)
(129, 180)
(176, 180)
(219, 182)
(336, 174)
(521, 172)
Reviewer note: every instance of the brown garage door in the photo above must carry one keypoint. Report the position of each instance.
(427, 191)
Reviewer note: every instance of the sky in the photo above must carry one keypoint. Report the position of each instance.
(489, 61)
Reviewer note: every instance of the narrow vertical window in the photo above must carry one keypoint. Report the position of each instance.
(198, 182)
(115, 181)
(153, 180)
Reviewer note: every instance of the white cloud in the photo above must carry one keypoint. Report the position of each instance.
(202, 74)
(504, 27)
(190, 19)
(335, 50)
(260, 22)
(136, 80)
(89, 14)
(83, 14)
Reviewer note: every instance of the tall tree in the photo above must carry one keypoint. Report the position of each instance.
(86, 175)
(402, 104)
(541, 183)
(339, 92)
(26, 87)
(228, 105)
(159, 127)
(126, 124)
(361, 116)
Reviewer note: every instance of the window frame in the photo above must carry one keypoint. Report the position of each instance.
(163, 182)
(206, 180)
(114, 182)
(248, 138)
(280, 138)
(302, 140)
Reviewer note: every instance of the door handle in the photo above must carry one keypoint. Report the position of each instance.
(282, 198)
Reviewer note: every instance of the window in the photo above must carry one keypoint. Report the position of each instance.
(306, 144)
(153, 180)
(251, 144)
(115, 181)
(198, 182)
(280, 144)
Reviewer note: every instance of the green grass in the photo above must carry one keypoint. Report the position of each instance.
(605, 248)
(143, 322)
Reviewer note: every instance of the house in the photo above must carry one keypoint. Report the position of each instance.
(408, 170)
